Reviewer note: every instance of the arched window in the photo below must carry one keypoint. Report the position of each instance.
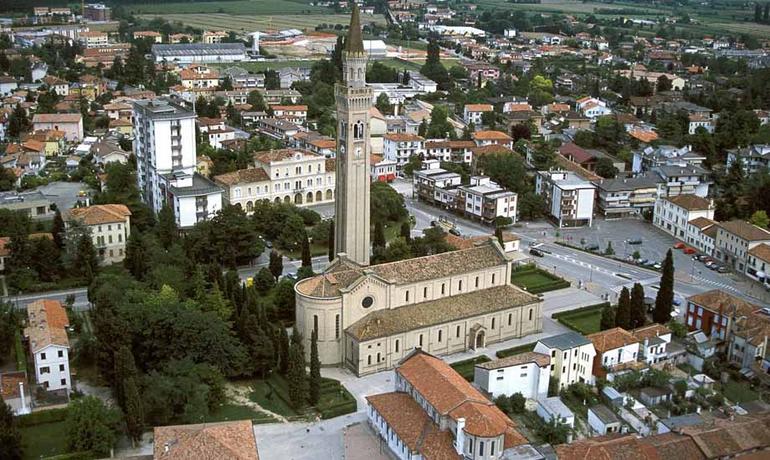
(439, 335)
(406, 296)
(358, 130)
(493, 278)
(369, 360)
(360, 74)
(493, 323)
(530, 314)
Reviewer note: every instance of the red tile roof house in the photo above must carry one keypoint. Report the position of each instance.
(436, 414)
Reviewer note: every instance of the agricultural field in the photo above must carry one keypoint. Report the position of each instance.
(259, 21)
(237, 7)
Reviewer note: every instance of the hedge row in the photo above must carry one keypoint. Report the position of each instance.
(347, 406)
(545, 287)
(516, 350)
(589, 308)
(43, 416)
(339, 409)
(21, 355)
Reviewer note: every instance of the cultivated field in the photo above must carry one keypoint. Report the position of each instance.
(259, 7)
(250, 23)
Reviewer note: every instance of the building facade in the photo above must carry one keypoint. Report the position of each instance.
(673, 214)
(109, 226)
(526, 373)
(734, 240)
(569, 198)
(572, 357)
(400, 147)
(46, 333)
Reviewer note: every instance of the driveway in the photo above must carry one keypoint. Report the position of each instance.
(63, 194)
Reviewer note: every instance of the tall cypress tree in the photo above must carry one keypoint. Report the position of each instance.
(499, 235)
(296, 376)
(133, 410)
(331, 240)
(623, 315)
(307, 260)
(379, 241)
(283, 352)
(166, 228)
(608, 317)
(58, 230)
(638, 313)
(406, 231)
(315, 370)
(665, 298)
(276, 264)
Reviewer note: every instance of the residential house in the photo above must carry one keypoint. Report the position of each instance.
(753, 158)
(481, 72)
(69, 123)
(213, 36)
(623, 197)
(106, 152)
(281, 130)
(486, 201)
(93, 39)
(152, 35)
(231, 440)
(553, 409)
(215, 131)
(676, 423)
(46, 333)
(198, 77)
(673, 214)
(400, 147)
(54, 141)
(651, 157)
(749, 341)
(653, 396)
(593, 108)
(118, 111)
(7, 85)
(109, 226)
(715, 312)
(287, 175)
(450, 151)
(679, 180)
(603, 420)
(435, 413)
(587, 158)
(482, 138)
(382, 170)
(472, 113)
(289, 75)
(436, 185)
(296, 114)
(735, 239)
(758, 264)
(701, 233)
(62, 87)
(617, 350)
(654, 340)
(569, 198)
(526, 373)
(572, 357)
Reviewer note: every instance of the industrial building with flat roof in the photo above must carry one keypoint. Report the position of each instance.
(190, 53)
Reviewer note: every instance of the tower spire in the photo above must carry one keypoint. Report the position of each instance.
(355, 41)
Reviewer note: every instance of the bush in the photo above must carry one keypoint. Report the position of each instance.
(43, 416)
(342, 402)
(339, 409)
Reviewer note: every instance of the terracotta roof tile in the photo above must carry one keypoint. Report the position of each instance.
(611, 339)
(702, 222)
(47, 320)
(99, 214)
(745, 230)
(540, 359)
(690, 202)
(725, 437)
(491, 135)
(478, 107)
(242, 176)
(648, 332)
(282, 155)
(609, 447)
(210, 441)
(717, 300)
(761, 251)
(57, 118)
(9, 384)
(403, 137)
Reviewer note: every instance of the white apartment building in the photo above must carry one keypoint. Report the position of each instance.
(485, 200)
(472, 113)
(758, 264)
(110, 227)
(199, 77)
(451, 151)
(673, 214)
(684, 180)
(569, 198)
(164, 146)
(616, 350)
(433, 184)
(572, 358)
(281, 176)
(399, 147)
(653, 342)
(296, 114)
(735, 239)
(49, 346)
(701, 234)
(754, 158)
(93, 39)
(215, 131)
(525, 373)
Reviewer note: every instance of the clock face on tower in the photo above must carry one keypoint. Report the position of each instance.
(342, 151)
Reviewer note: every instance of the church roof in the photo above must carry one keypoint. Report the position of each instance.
(355, 41)
(344, 273)
(384, 323)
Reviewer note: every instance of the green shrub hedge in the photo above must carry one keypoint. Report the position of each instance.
(339, 409)
(466, 367)
(516, 350)
(589, 308)
(43, 416)
(331, 390)
(21, 355)
(523, 277)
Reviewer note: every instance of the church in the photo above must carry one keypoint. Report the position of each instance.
(368, 317)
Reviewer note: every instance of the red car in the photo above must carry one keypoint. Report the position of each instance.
(679, 245)
(689, 251)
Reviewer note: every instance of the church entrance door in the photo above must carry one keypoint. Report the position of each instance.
(480, 341)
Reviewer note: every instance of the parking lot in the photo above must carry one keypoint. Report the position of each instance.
(64, 194)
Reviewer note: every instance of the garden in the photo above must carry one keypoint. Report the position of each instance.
(586, 320)
(467, 366)
(536, 280)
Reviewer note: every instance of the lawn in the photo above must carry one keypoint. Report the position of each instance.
(739, 392)
(257, 67)
(241, 7)
(228, 412)
(266, 396)
(466, 367)
(536, 280)
(585, 320)
(44, 440)
(516, 350)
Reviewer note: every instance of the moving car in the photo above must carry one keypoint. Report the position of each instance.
(536, 252)
(455, 232)
(592, 247)
(635, 241)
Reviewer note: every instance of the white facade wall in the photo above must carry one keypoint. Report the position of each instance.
(528, 379)
(187, 207)
(397, 447)
(110, 240)
(572, 365)
(674, 219)
(624, 354)
(52, 367)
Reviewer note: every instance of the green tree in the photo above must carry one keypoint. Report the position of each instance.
(383, 103)
(307, 260)
(315, 370)
(58, 230)
(609, 251)
(433, 69)
(264, 280)
(606, 168)
(331, 240)
(760, 219)
(665, 297)
(276, 264)
(7, 179)
(608, 318)
(517, 401)
(499, 235)
(378, 241)
(166, 229)
(413, 164)
(284, 298)
(18, 122)
(10, 436)
(272, 80)
(638, 309)
(9, 323)
(439, 127)
(136, 261)
(91, 426)
(296, 376)
(406, 231)
(256, 101)
(623, 314)
(284, 351)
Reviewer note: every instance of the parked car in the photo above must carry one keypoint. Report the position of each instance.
(689, 251)
(292, 276)
(723, 269)
(713, 266)
(679, 245)
(641, 261)
(592, 247)
(635, 241)
(697, 257)
(455, 232)
(650, 263)
(536, 252)
(657, 266)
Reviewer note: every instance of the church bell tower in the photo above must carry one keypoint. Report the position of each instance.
(354, 99)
